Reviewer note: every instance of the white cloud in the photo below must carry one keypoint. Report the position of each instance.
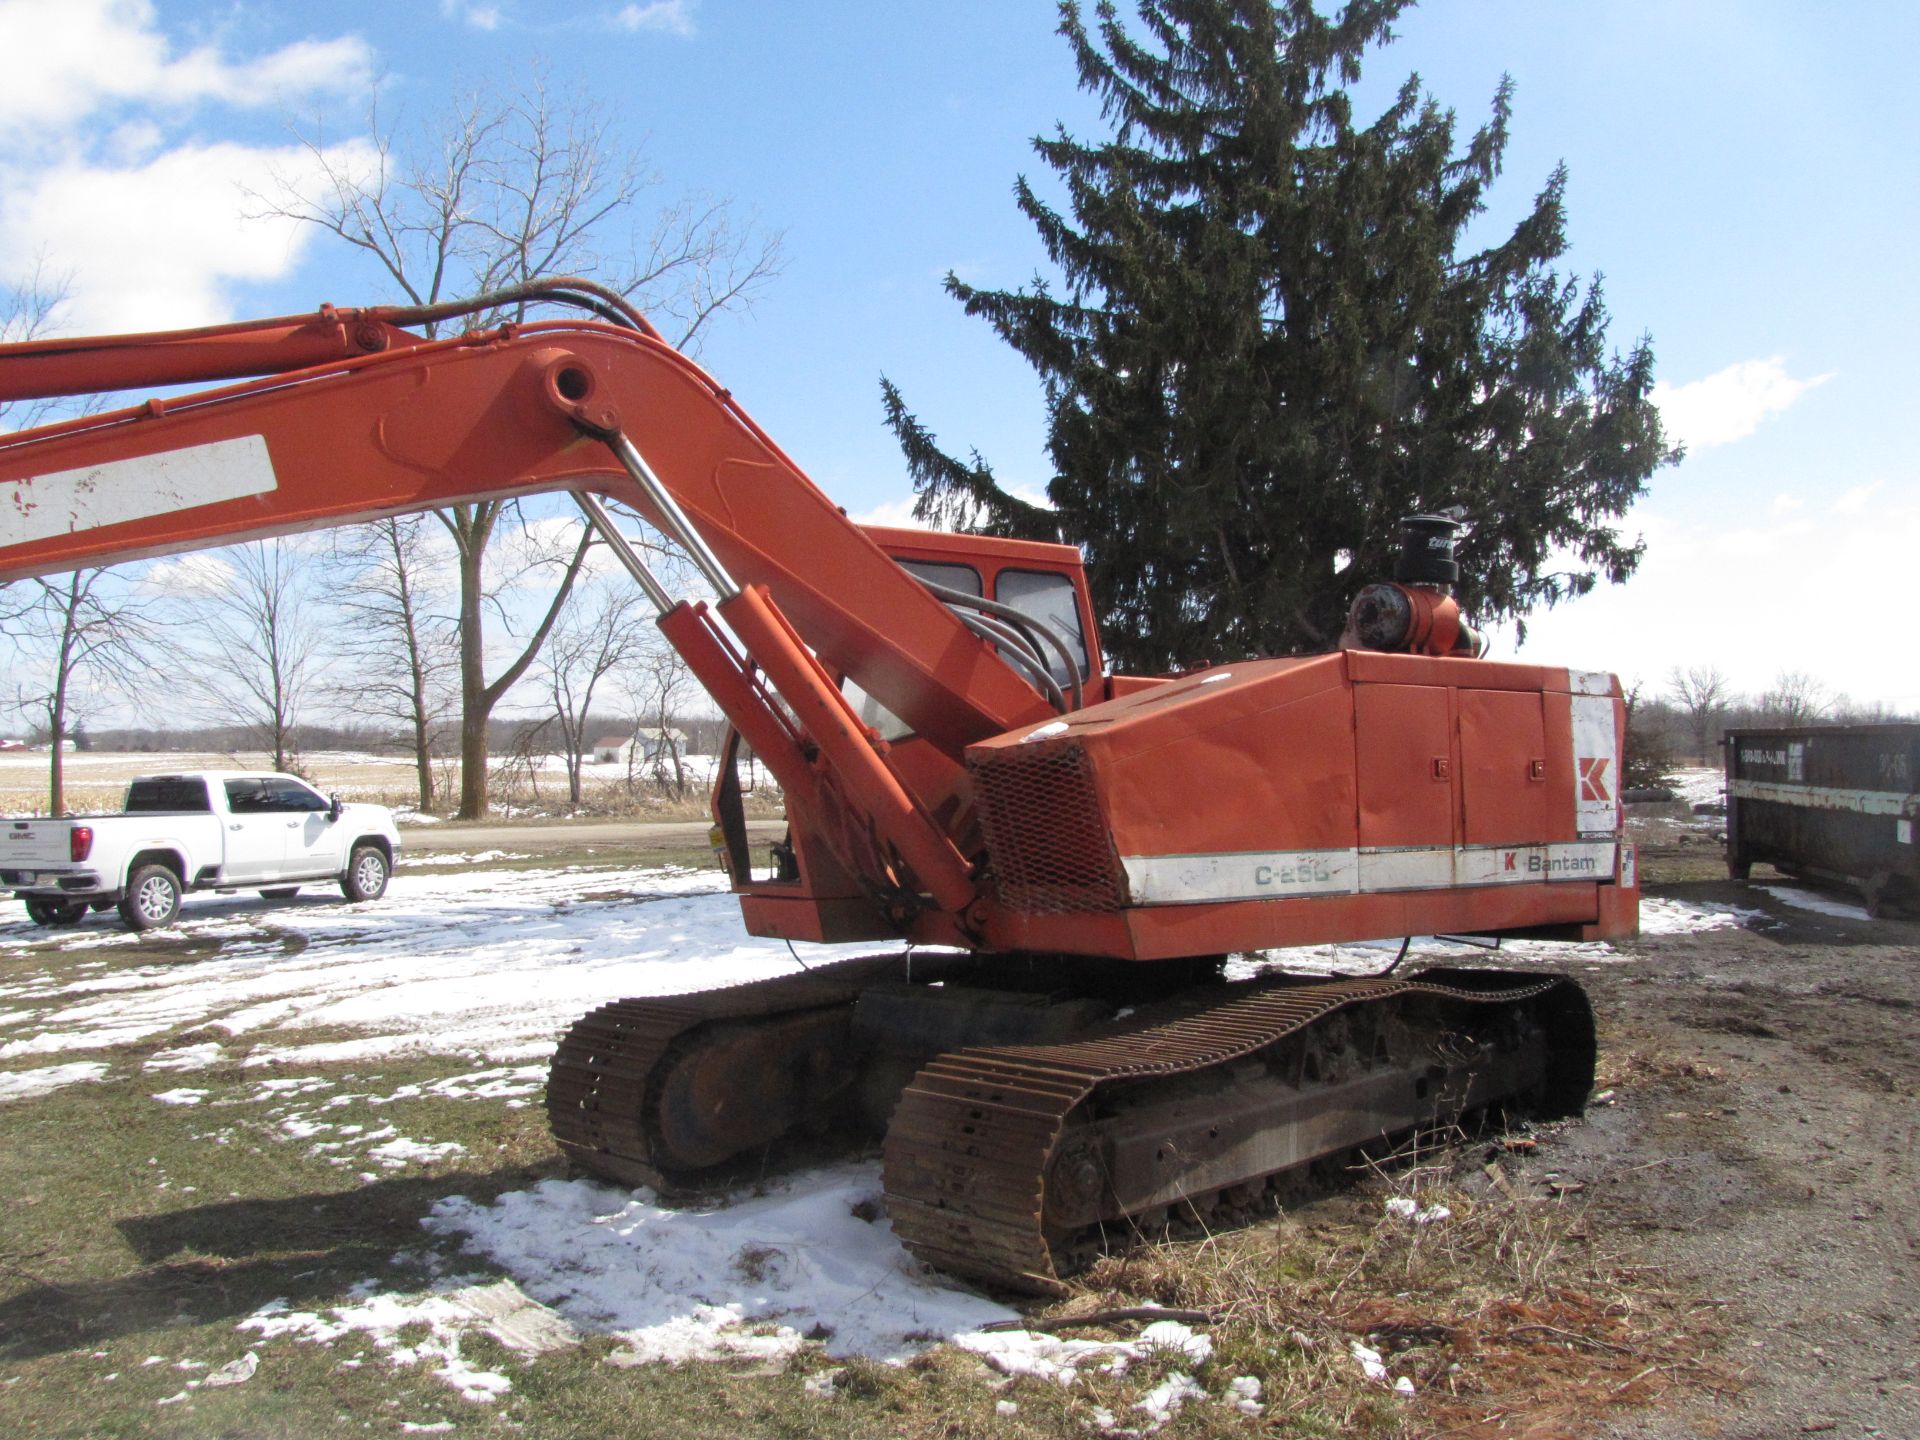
(144, 231)
(1742, 598)
(70, 59)
(897, 513)
(480, 17)
(1855, 500)
(1729, 404)
(158, 244)
(670, 17)
(200, 572)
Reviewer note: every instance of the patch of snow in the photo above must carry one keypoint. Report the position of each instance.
(490, 963)
(1051, 1357)
(1659, 916)
(25, 1084)
(1411, 1211)
(1696, 785)
(397, 1154)
(1159, 1403)
(1243, 1394)
(181, 1097)
(1371, 1365)
(187, 1057)
(823, 1384)
(447, 1315)
(290, 1085)
(235, 1372)
(1800, 900)
(757, 1277)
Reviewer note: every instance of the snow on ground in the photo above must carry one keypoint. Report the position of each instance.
(493, 964)
(455, 857)
(1658, 916)
(24, 1084)
(477, 962)
(813, 1259)
(1700, 785)
(394, 1323)
(1812, 900)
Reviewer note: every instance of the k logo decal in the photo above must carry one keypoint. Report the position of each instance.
(1593, 778)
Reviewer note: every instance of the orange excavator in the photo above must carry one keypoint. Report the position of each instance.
(1080, 853)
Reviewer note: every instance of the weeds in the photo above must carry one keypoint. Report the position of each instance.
(1473, 1291)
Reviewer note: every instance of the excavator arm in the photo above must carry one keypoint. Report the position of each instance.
(398, 423)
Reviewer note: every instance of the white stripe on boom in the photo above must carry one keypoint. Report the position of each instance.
(41, 507)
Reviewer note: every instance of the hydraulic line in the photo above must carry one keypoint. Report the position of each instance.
(1020, 651)
(1018, 618)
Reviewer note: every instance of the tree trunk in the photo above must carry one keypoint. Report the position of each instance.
(56, 758)
(474, 708)
(57, 710)
(472, 527)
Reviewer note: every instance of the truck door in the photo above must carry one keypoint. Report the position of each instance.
(313, 841)
(256, 843)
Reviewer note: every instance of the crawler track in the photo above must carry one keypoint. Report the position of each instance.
(603, 1091)
(983, 1139)
(1013, 1164)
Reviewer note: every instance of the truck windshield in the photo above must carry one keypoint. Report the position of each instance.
(166, 793)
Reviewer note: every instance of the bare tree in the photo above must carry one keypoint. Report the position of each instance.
(403, 646)
(599, 635)
(1795, 698)
(26, 313)
(74, 637)
(501, 191)
(254, 646)
(1703, 692)
(657, 683)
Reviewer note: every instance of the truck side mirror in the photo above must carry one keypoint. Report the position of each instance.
(334, 807)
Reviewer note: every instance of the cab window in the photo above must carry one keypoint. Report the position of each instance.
(246, 797)
(955, 577)
(291, 797)
(872, 713)
(1050, 599)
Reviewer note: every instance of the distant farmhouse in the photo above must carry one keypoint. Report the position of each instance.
(619, 749)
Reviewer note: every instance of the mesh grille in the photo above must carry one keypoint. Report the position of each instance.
(1050, 847)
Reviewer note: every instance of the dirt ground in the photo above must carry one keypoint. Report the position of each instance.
(1761, 1146)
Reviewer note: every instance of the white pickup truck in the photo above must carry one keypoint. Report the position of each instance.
(212, 830)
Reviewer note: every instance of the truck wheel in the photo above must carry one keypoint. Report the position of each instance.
(152, 897)
(56, 912)
(280, 892)
(365, 877)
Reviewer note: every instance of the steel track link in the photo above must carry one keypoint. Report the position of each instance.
(604, 1082)
(968, 1150)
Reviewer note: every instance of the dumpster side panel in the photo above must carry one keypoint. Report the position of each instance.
(1835, 802)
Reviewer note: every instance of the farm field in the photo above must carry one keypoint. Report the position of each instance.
(282, 1170)
(96, 781)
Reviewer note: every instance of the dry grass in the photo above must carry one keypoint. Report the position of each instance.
(1509, 1316)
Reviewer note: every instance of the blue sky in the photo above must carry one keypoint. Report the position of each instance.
(1743, 174)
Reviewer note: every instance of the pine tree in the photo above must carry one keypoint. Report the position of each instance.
(1269, 341)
